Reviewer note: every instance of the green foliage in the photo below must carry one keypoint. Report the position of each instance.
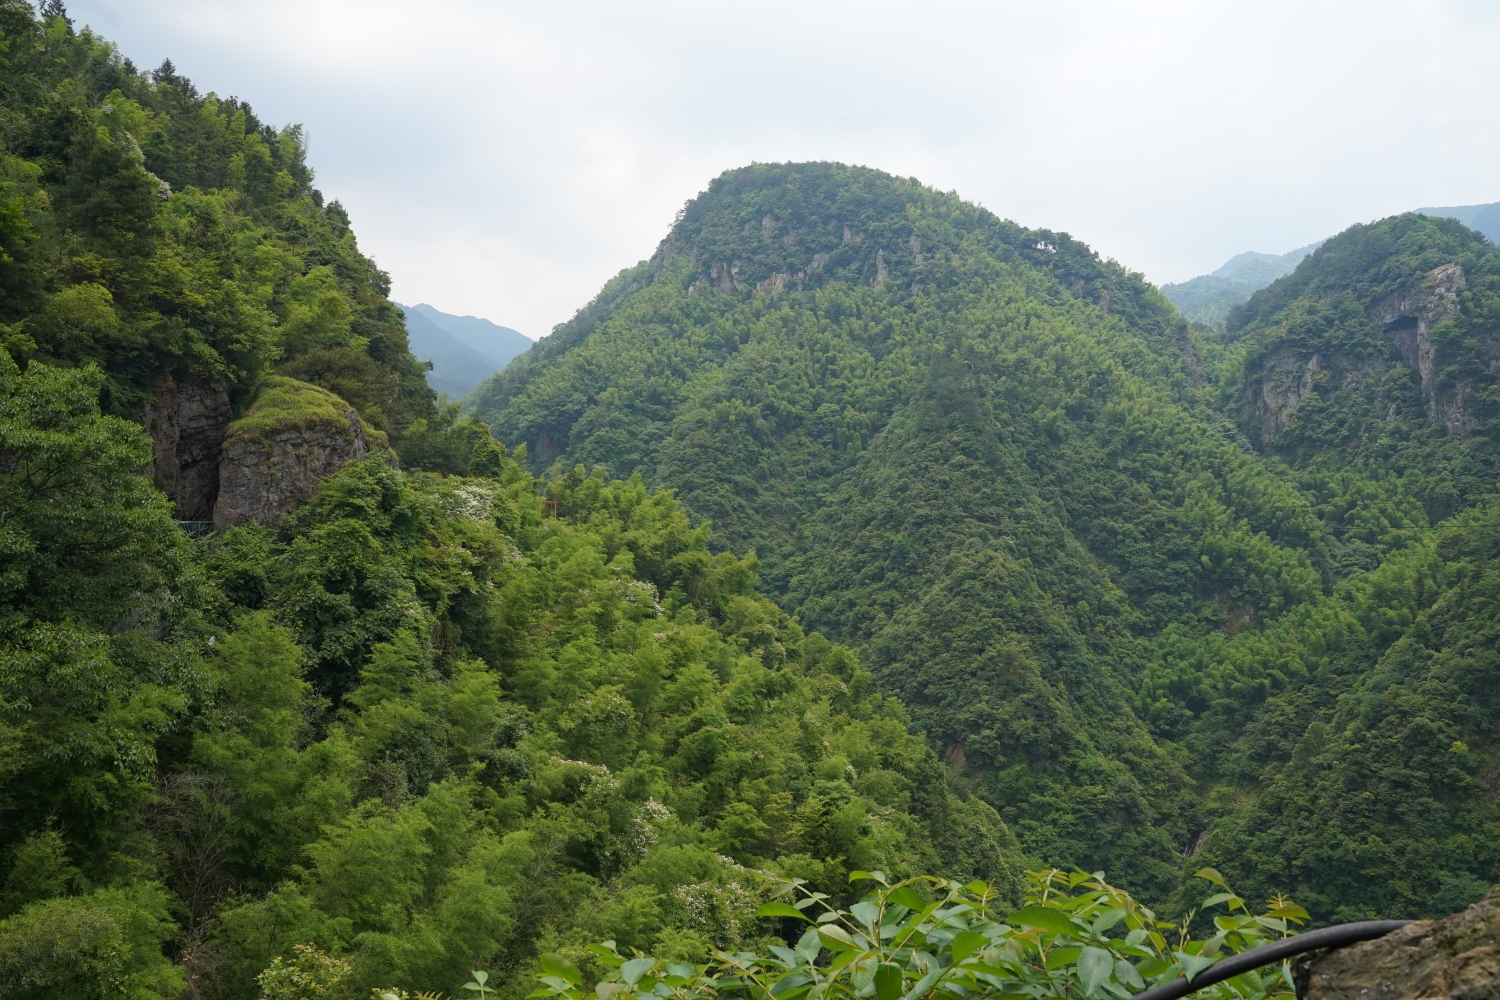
(461, 727)
(311, 975)
(88, 558)
(988, 469)
(146, 228)
(102, 945)
(1075, 936)
(1052, 604)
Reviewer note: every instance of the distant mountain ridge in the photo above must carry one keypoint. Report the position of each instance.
(1484, 218)
(1208, 298)
(464, 350)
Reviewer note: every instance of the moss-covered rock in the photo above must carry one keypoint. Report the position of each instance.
(294, 436)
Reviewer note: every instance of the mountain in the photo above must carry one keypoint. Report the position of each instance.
(395, 724)
(1208, 298)
(856, 531)
(1483, 218)
(1371, 373)
(971, 449)
(1127, 576)
(498, 343)
(456, 367)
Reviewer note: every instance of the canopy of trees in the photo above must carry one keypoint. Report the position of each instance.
(856, 531)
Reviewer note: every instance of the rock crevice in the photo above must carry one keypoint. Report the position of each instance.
(187, 419)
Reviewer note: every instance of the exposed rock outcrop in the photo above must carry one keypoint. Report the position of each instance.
(1408, 320)
(187, 419)
(294, 436)
(1456, 958)
(1289, 382)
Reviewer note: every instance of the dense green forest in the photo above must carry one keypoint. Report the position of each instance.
(1154, 592)
(433, 722)
(856, 530)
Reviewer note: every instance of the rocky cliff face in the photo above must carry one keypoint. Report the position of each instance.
(1406, 321)
(1456, 958)
(295, 436)
(187, 420)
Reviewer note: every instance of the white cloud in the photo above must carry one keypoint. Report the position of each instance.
(505, 159)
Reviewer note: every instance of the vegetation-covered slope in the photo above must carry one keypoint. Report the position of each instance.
(148, 229)
(430, 724)
(1000, 468)
(426, 726)
(1072, 583)
(973, 450)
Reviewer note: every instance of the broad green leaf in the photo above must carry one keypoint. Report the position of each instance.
(632, 971)
(1059, 957)
(1212, 875)
(809, 945)
(966, 943)
(780, 910)
(1193, 964)
(1129, 975)
(556, 965)
(1095, 965)
(1153, 967)
(1045, 918)
(887, 981)
(1289, 911)
(1108, 919)
(906, 896)
(682, 969)
(836, 939)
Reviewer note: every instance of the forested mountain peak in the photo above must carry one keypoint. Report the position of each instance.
(996, 464)
(856, 534)
(971, 448)
(1378, 352)
(804, 226)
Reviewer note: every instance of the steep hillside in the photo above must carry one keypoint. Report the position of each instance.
(178, 243)
(974, 450)
(1365, 781)
(424, 721)
(1378, 356)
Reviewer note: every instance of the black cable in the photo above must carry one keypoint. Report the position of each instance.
(1328, 937)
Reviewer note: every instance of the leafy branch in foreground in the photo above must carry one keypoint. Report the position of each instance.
(1074, 936)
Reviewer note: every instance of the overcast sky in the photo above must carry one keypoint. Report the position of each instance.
(505, 159)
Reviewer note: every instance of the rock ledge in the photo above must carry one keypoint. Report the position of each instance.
(1456, 958)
